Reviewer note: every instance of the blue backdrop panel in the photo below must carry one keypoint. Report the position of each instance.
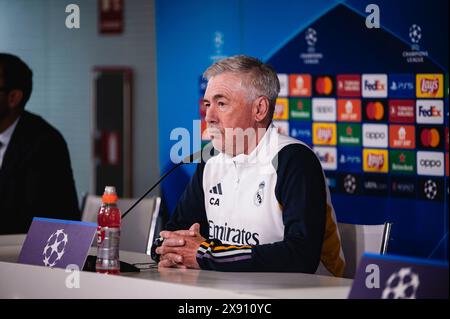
(193, 34)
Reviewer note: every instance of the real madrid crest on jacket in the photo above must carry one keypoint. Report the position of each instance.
(266, 211)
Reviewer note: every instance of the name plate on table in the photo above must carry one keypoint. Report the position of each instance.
(57, 243)
(397, 277)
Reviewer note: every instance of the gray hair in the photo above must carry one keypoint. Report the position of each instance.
(263, 79)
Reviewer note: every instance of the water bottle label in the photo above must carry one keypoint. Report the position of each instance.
(100, 235)
(108, 239)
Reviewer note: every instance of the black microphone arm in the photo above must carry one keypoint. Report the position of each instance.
(188, 159)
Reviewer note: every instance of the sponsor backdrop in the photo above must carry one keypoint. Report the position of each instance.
(371, 102)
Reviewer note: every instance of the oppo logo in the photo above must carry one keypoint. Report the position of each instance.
(430, 163)
(375, 135)
(324, 109)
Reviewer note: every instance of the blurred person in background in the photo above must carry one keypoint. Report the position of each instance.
(36, 178)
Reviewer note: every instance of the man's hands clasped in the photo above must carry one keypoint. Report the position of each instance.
(179, 248)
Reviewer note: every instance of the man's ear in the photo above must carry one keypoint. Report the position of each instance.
(261, 107)
(15, 97)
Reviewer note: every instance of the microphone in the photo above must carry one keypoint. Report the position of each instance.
(188, 159)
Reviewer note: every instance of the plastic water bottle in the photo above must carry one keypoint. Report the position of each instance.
(108, 233)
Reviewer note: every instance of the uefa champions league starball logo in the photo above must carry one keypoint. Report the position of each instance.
(401, 285)
(311, 36)
(415, 33)
(218, 40)
(350, 184)
(430, 189)
(55, 248)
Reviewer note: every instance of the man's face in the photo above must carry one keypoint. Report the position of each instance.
(228, 108)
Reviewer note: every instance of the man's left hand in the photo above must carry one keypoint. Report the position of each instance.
(180, 248)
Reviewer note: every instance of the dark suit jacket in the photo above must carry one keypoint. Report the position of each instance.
(36, 177)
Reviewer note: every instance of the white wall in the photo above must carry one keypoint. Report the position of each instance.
(62, 62)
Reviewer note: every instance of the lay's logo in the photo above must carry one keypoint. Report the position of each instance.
(281, 109)
(429, 85)
(375, 161)
(324, 133)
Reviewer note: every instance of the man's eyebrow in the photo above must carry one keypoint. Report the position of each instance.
(215, 97)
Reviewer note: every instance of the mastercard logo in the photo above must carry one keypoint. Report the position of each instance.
(375, 111)
(430, 137)
(324, 85)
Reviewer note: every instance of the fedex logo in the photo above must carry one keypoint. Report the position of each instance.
(282, 127)
(433, 111)
(374, 85)
(327, 157)
(430, 111)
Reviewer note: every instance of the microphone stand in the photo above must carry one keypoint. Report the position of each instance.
(152, 188)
